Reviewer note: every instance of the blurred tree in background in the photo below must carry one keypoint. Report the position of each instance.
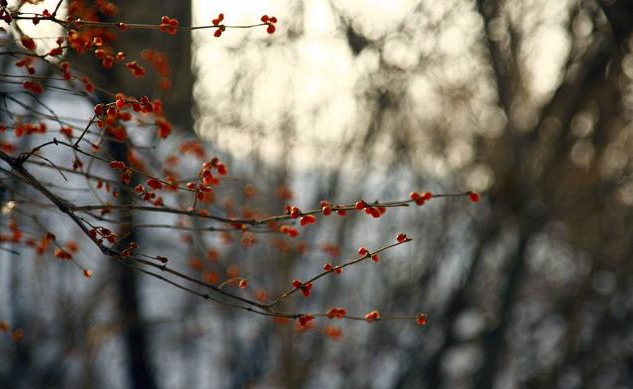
(528, 102)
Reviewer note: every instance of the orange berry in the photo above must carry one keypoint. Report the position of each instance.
(334, 333)
(261, 296)
(17, 335)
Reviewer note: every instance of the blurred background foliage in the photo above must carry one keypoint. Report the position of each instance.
(529, 102)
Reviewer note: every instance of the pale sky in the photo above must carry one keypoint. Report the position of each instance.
(313, 79)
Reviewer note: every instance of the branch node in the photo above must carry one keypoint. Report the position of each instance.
(65, 207)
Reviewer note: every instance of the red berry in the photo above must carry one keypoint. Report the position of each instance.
(328, 267)
(360, 204)
(473, 196)
(304, 319)
(126, 177)
(375, 257)
(28, 42)
(421, 319)
(401, 237)
(117, 165)
(112, 113)
(154, 183)
(55, 51)
(308, 219)
(327, 210)
(362, 251)
(336, 313)
(305, 289)
(372, 316)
